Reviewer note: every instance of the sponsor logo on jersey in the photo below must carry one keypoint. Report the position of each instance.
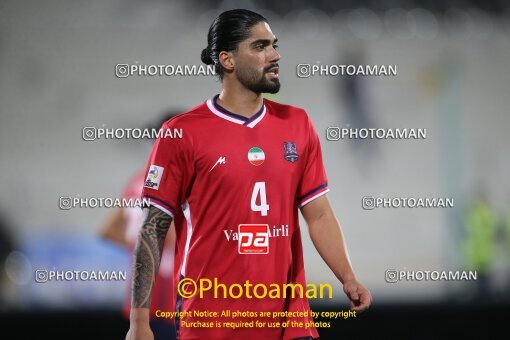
(231, 234)
(154, 177)
(256, 156)
(253, 239)
(290, 151)
(221, 160)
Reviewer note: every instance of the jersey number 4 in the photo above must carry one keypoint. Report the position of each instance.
(259, 190)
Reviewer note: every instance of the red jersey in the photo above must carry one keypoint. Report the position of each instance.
(163, 297)
(233, 186)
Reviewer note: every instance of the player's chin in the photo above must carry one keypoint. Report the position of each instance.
(272, 85)
(273, 89)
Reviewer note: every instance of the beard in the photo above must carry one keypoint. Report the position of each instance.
(256, 82)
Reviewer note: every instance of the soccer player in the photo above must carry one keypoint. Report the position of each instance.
(232, 179)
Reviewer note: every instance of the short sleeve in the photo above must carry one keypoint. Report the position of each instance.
(169, 170)
(314, 181)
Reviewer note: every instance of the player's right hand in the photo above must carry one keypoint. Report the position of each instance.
(140, 332)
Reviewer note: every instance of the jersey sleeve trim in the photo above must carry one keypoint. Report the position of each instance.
(162, 209)
(322, 186)
(159, 203)
(313, 194)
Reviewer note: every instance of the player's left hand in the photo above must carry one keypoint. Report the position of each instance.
(359, 296)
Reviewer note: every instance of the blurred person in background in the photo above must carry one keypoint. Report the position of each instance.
(242, 161)
(479, 244)
(121, 227)
(506, 224)
(355, 97)
(7, 247)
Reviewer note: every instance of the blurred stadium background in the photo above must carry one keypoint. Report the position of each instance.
(57, 61)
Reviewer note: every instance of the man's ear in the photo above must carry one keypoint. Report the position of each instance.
(227, 61)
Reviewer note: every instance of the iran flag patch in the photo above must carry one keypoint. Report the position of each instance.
(256, 156)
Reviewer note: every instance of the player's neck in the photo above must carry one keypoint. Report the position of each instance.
(240, 101)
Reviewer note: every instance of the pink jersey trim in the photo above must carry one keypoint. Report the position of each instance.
(326, 190)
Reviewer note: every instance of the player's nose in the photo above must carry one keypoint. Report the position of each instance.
(274, 56)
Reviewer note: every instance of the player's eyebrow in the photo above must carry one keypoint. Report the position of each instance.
(264, 42)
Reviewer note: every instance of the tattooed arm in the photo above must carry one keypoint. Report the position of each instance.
(146, 259)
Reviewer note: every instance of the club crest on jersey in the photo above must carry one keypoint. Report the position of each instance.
(290, 151)
(154, 177)
(256, 156)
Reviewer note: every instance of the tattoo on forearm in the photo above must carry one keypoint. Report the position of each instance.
(147, 255)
